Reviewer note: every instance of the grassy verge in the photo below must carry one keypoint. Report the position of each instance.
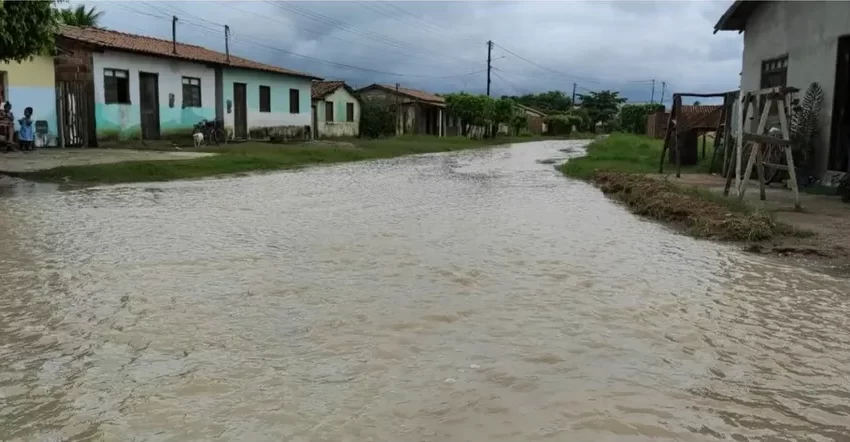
(258, 156)
(625, 153)
(621, 166)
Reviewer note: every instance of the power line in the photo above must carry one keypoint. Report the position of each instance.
(260, 44)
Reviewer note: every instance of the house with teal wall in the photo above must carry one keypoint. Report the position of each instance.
(150, 88)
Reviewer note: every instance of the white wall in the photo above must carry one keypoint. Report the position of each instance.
(808, 32)
(171, 73)
(279, 85)
(339, 127)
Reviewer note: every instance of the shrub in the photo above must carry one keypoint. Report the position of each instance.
(377, 119)
(562, 124)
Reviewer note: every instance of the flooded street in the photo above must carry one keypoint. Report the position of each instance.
(471, 296)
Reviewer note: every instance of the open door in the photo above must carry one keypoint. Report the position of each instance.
(240, 111)
(840, 137)
(315, 122)
(149, 105)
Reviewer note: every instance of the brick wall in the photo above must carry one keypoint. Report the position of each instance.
(74, 63)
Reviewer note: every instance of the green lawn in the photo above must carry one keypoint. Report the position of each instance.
(258, 156)
(626, 153)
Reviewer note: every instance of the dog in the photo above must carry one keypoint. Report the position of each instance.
(198, 138)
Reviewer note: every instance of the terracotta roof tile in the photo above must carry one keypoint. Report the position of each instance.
(321, 88)
(164, 48)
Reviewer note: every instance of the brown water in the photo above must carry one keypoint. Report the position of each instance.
(474, 296)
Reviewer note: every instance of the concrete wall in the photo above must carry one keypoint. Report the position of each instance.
(808, 32)
(279, 122)
(123, 121)
(339, 127)
(32, 84)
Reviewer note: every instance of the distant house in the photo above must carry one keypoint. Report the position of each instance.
(422, 112)
(31, 84)
(336, 110)
(795, 44)
(123, 86)
(536, 125)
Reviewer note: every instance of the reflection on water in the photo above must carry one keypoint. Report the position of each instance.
(472, 296)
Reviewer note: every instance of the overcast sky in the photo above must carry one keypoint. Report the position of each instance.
(441, 46)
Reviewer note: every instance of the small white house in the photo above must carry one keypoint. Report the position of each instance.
(336, 110)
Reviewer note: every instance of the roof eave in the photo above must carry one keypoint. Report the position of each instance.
(735, 18)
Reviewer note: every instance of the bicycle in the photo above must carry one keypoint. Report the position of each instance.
(213, 131)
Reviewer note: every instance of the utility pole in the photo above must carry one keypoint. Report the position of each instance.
(227, 42)
(489, 52)
(574, 94)
(663, 88)
(174, 34)
(652, 97)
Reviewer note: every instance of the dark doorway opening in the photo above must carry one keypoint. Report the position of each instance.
(240, 111)
(149, 105)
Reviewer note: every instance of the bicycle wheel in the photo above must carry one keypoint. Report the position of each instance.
(218, 136)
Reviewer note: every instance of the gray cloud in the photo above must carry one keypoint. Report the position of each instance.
(440, 46)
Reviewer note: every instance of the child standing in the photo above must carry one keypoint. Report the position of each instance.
(26, 134)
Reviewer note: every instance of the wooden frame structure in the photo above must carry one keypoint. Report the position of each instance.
(750, 104)
(677, 126)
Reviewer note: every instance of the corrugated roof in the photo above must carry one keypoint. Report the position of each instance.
(412, 93)
(165, 48)
(321, 88)
(701, 116)
(735, 18)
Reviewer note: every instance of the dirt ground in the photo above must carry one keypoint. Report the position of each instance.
(49, 158)
(825, 216)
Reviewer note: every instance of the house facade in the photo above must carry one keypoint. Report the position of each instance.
(260, 104)
(31, 84)
(422, 113)
(536, 125)
(335, 109)
(142, 96)
(795, 44)
(125, 86)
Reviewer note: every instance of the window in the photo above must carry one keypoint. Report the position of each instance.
(294, 105)
(329, 111)
(191, 92)
(349, 112)
(116, 86)
(774, 72)
(265, 99)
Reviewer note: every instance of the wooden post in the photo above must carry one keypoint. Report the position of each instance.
(745, 179)
(743, 108)
(668, 134)
(60, 115)
(760, 173)
(728, 149)
(677, 102)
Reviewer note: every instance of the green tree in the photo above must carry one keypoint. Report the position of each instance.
(601, 106)
(549, 102)
(472, 109)
(633, 116)
(27, 29)
(80, 16)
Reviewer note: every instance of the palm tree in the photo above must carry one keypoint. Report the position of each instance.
(80, 16)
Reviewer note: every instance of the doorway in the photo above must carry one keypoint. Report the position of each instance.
(149, 105)
(839, 145)
(240, 114)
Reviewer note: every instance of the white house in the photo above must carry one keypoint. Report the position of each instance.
(148, 88)
(336, 110)
(795, 44)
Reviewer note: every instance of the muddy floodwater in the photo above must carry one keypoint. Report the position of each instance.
(472, 296)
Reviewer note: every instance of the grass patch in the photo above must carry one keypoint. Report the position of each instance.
(625, 153)
(258, 156)
(702, 213)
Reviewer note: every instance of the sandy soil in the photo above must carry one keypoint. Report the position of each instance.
(50, 158)
(826, 216)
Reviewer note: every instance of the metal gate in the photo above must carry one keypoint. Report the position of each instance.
(74, 109)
